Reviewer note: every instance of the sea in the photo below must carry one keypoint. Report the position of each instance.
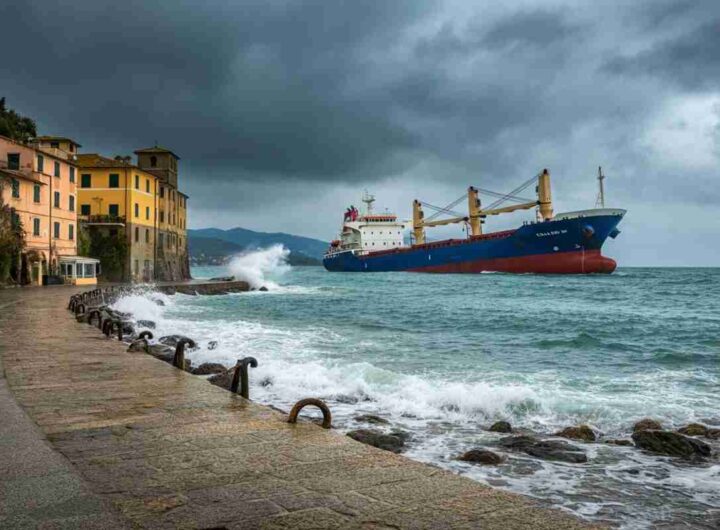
(444, 356)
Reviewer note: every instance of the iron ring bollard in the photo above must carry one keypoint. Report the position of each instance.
(145, 335)
(179, 359)
(92, 314)
(327, 417)
(241, 372)
(77, 309)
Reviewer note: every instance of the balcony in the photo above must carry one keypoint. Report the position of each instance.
(102, 220)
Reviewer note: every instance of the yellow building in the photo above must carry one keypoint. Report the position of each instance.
(119, 199)
(141, 203)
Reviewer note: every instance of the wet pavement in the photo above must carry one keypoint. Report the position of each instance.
(94, 436)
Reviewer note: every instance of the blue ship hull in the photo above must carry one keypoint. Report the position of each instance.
(561, 246)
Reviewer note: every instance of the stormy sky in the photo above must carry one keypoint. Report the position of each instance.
(284, 111)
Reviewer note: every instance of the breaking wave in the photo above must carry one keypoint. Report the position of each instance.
(260, 267)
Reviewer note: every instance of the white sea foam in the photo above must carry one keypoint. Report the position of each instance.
(260, 267)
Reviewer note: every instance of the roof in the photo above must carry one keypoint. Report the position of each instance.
(58, 139)
(156, 149)
(94, 160)
(14, 173)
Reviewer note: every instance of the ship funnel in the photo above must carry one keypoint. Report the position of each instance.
(544, 195)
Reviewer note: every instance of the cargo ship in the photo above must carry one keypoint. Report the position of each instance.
(566, 243)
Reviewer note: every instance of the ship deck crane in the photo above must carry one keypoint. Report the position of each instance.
(476, 214)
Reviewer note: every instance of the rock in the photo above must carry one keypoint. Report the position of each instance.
(266, 382)
(139, 345)
(403, 435)
(159, 302)
(223, 380)
(161, 351)
(501, 426)
(376, 438)
(647, 424)
(579, 432)
(481, 456)
(713, 434)
(619, 442)
(172, 340)
(694, 429)
(371, 418)
(209, 368)
(554, 450)
(223, 279)
(670, 443)
(263, 288)
(212, 345)
(146, 324)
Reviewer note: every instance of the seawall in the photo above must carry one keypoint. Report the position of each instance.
(153, 446)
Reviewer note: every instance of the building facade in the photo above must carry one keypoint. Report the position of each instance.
(40, 185)
(120, 199)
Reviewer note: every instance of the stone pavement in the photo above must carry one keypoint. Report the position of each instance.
(126, 439)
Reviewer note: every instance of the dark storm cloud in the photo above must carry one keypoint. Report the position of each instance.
(691, 60)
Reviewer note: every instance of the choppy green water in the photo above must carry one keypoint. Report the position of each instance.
(443, 356)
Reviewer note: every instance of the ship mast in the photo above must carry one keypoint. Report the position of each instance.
(600, 202)
(368, 200)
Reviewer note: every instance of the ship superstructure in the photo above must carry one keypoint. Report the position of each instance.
(565, 243)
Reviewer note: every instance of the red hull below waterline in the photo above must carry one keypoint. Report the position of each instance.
(576, 262)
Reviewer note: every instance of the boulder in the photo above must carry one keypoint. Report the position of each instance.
(501, 426)
(713, 434)
(212, 345)
(146, 324)
(138, 345)
(619, 442)
(647, 424)
(161, 351)
(209, 368)
(388, 442)
(554, 450)
(223, 380)
(263, 288)
(670, 443)
(481, 456)
(694, 429)
(371, 418)
(172, 340)
(579, 432)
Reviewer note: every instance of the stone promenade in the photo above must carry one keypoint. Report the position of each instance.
(92, 436)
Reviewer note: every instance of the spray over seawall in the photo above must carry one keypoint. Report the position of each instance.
(261, 267)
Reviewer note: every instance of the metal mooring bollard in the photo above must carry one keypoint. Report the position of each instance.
(77, 309)
(179, 359)
(327, 417)
(241, 375)
(145, 335)
(92, 315)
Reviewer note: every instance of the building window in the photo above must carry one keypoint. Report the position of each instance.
(36, 227)
(40, 164)
(161, 239)
(71, 232)
(56, 230)
(162, 192)
(86, 180)
(15, 218)
(147, 235)
(84, 209)
(57, 169)
(147, 212)
(147, 185)
(113, 210)
(36, 193)
(114, 180)
(162, 216)
(72, 172)
(137, 210)
(56, 201)
(72, 203)
(137, 268)
(55, 145)
(137, 182)
(13, 160)
(137, 234)
(153, 161)
(15, 188)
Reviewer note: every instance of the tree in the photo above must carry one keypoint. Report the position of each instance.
(12, 239)
(14, 126)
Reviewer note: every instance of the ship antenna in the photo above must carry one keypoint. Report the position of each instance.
(600, 202)
(368, 200)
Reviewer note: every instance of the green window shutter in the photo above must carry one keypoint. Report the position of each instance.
(36, 193)
(114, 180)
(113, 210)
(16, 188)
(84, 209)
(57, 169)
(86, 180)
(72, 174)
(40, 164)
